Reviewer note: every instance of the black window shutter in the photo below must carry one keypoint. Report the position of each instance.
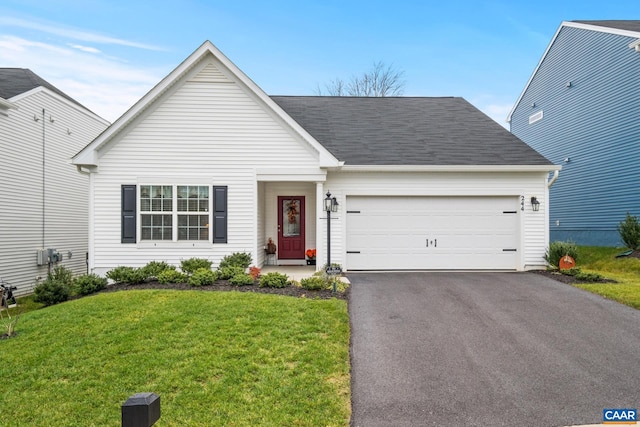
(219, 214)
(128, 232)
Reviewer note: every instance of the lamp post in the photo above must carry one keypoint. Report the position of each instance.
(330, 205)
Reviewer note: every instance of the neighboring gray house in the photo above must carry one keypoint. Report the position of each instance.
(206, 164)
(581, 109)
(44, 198)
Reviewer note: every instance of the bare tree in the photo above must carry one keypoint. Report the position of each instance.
(382, 80)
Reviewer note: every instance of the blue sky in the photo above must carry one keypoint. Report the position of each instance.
(108, 53)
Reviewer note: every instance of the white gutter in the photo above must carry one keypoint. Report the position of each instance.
(449, 168)
(556, 173)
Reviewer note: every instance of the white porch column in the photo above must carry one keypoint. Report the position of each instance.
(320, 227)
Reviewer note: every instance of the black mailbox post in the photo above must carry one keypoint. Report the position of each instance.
(141, 410)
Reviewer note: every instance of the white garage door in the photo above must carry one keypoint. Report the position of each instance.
(432, 233)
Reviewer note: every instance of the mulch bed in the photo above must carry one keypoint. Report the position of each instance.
(223, 285)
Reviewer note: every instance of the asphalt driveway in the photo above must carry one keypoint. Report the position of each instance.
(487, 349)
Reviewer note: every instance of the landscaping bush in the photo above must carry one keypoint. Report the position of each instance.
(588, 277)
(237, 259)
(171, 276)
(629, 230)
(61, 274)
(190, 265)
(130, 275)
(153, 268)
(243, 279)
(274, 280)
(56, 288)
(202, 277)
(51, 291)
(559, 249)
(89, 284)
(314, 283)
(228, 272)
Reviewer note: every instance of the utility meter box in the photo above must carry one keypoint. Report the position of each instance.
(42, 257)
(54, 256)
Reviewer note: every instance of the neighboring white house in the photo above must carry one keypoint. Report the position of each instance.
(44, 199)
(206, 164)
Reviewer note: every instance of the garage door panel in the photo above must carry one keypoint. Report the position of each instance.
(432, 233)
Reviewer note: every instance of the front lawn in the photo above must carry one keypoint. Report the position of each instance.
(214, 358)
(625, 271)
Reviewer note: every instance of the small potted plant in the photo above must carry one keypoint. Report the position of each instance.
(311, 256)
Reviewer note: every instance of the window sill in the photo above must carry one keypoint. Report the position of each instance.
(175, 245)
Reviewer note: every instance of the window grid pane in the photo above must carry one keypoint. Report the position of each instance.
(193, 198)
(193, 227)
(156, 227)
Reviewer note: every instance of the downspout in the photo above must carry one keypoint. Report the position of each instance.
(43, 182)
(556, 173)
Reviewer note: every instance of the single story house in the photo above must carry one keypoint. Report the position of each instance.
(207, 164)
(44, 208)
(580, 108)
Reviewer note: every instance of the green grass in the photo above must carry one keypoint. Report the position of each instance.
(214, 358)
(625, 271)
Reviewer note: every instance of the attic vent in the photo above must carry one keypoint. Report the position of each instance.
(535, 117)
(210, 74)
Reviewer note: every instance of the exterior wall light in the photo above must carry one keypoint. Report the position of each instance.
(535, 204)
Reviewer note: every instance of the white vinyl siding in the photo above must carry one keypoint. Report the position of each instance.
(205, 132)
(43, 207)
(532, 235)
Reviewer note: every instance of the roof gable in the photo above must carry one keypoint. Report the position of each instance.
(16, 81)
(406, 131)
(90, 154)
(623, 28)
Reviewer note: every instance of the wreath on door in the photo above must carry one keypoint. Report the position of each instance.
(292, 211)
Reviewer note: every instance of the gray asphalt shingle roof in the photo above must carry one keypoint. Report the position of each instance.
(407, 131)
(15, 81)
(617, 24)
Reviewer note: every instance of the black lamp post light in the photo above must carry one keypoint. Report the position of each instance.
(330, 205)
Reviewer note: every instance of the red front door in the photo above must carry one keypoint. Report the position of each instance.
(291, 227)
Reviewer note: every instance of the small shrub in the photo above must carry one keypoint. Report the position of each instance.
(274, 280)
(89, 284)
(202, 277)
(228, 272)
(153, 268)
(254, 272)
(629, 230)
(588, 277)
(130, 275)
(190, 265)
(171, 276)
(61, 274)
(559, 249)
(51, 292)
(243, 279)
(238, 259)
(313, 283)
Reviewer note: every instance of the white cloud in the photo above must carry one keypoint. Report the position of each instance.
(106, 86)
(84, 48)
(71, 33)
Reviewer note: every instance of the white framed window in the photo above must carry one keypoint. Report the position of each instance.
(174, 212)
